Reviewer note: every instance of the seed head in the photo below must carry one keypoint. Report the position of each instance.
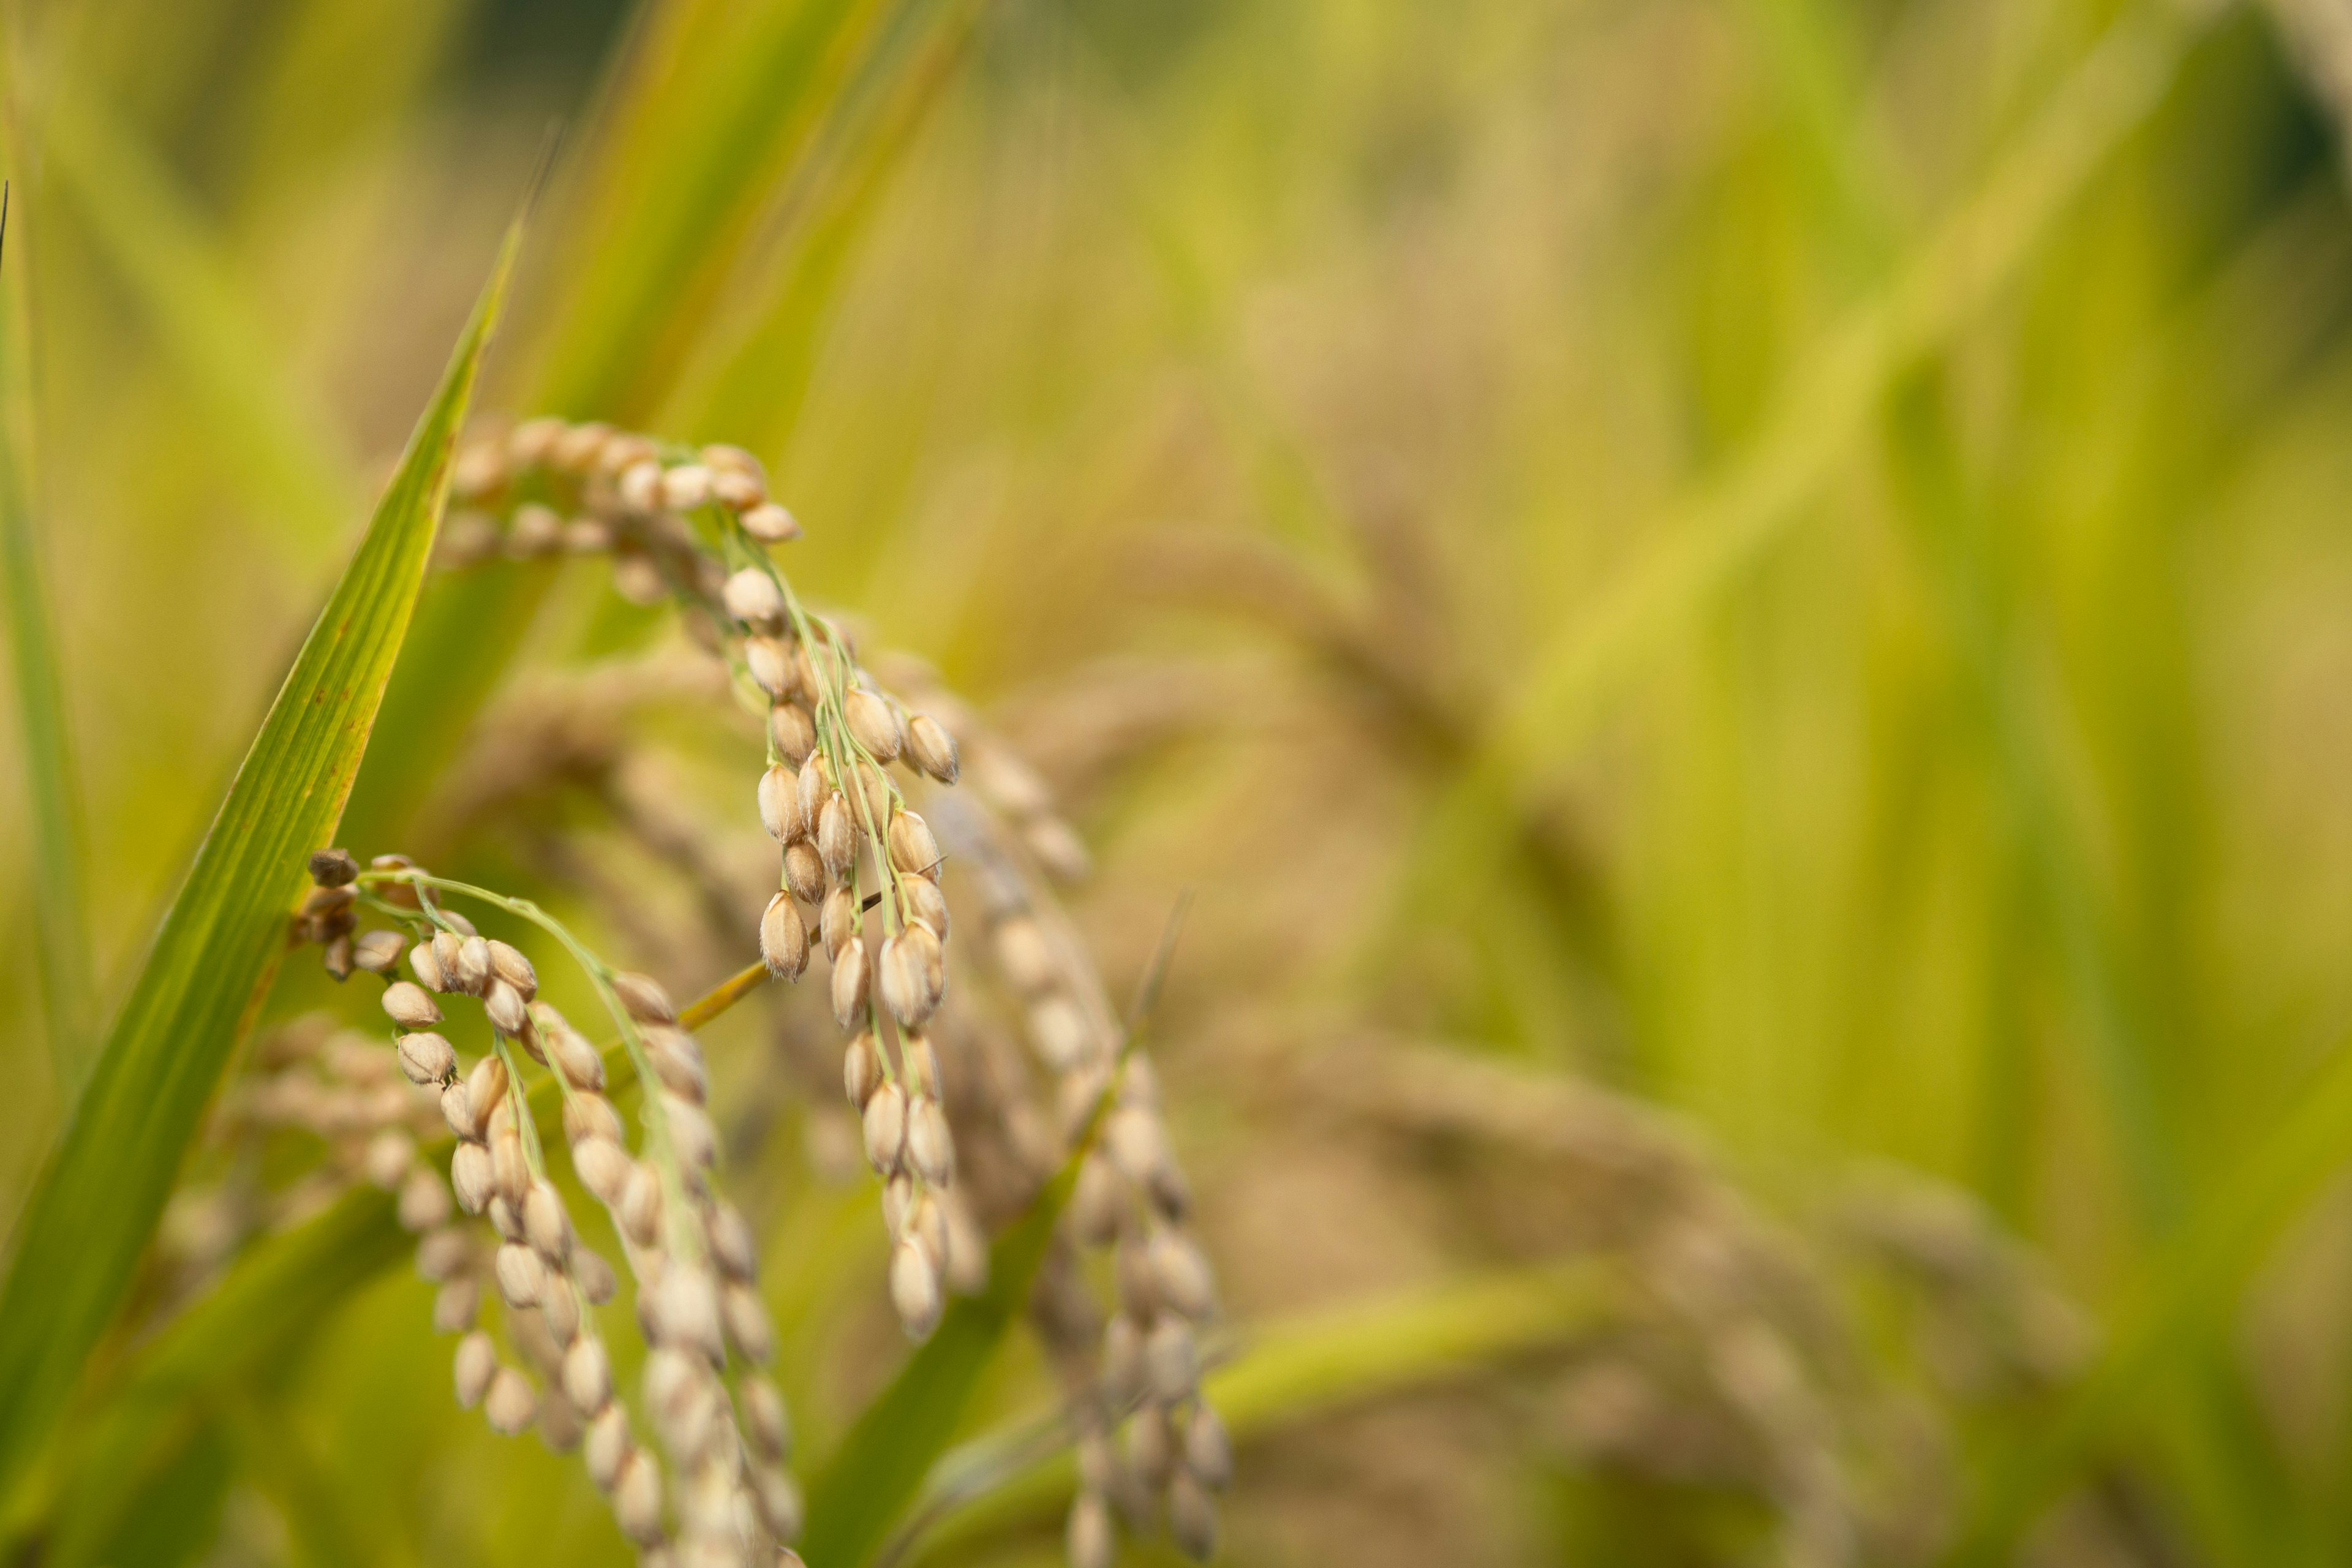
(455, 1111)
(1151, 1452)
(686, 1309)
(505, 1006)
(765, 1425)
(559, 1311)
(587, 536)
(636, 1498)
(509, 1405)
(531, 444)
(925, 904)
(677, 1062)
(1060, 1033)
(913, 848)
(731, 1245)
(477, 1362)
(967, 1265)
(1096, 1202)
(333, 868)
(783, 939)
(1025, 956)
(690, 1132)
(474, 965)
(836, 836)
(641, 1206)
(1133, 1137)
(640, 487)
(443, 1255)
(929, 1226)
(387, 1157)
(535, 530)
(427, 1058)
(876, 789)
(485, 1090)
(508, 1172)
(886, 1128)
(779, 805)
(931, 748)
(587, 1374)
(1192, 1516)
(1087, 1541)
(930, 1149)
(747, 1322)
(454, 1307)
(520, 1276)
(589, 1114)
(1122, 1359)
(922, 1063)
(445, 946)
(771, 524)
(607, 1444)
(874, 722)
(686, 486)
(424, 1200)
(410, 1006)
(1058, 849)
(753, 597)
(508, 964)
(595, 1277)
(838, 921)
(861, 1069)
(546, 1224)
(471, 1176)
(897, 1204)
(772, 666)
(1168, 1367)
(578, 448)
(427, 967)
(804, 871)
(646, 1002)
(1207, 1451)
(793, 731)
(905, 990)
(581, 1065)
(1181, 1275)
(914, 1289)
(780, 1508)
(377, 951)
(736, 492)
(849, 983)
(604, 1167)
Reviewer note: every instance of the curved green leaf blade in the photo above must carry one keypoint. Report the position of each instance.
(880, 1464)
(105, 1187)
(1288, 1372)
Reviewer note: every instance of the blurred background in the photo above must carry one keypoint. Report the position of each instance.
(1738, 613)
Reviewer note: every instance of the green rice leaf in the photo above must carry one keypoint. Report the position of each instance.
(97, 1201)
(2185, 1300)
(60, 906)
(1287, 1372)
(879, 1466)
(216, 334)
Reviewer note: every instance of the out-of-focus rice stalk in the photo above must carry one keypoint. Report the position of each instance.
(1733, 611)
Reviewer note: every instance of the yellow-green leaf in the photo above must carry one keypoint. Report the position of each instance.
(104, 1188)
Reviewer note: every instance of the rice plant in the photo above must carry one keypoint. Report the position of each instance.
(1521, 783)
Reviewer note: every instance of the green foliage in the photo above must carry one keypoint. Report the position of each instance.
(878, 1467)
(99, 1201)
